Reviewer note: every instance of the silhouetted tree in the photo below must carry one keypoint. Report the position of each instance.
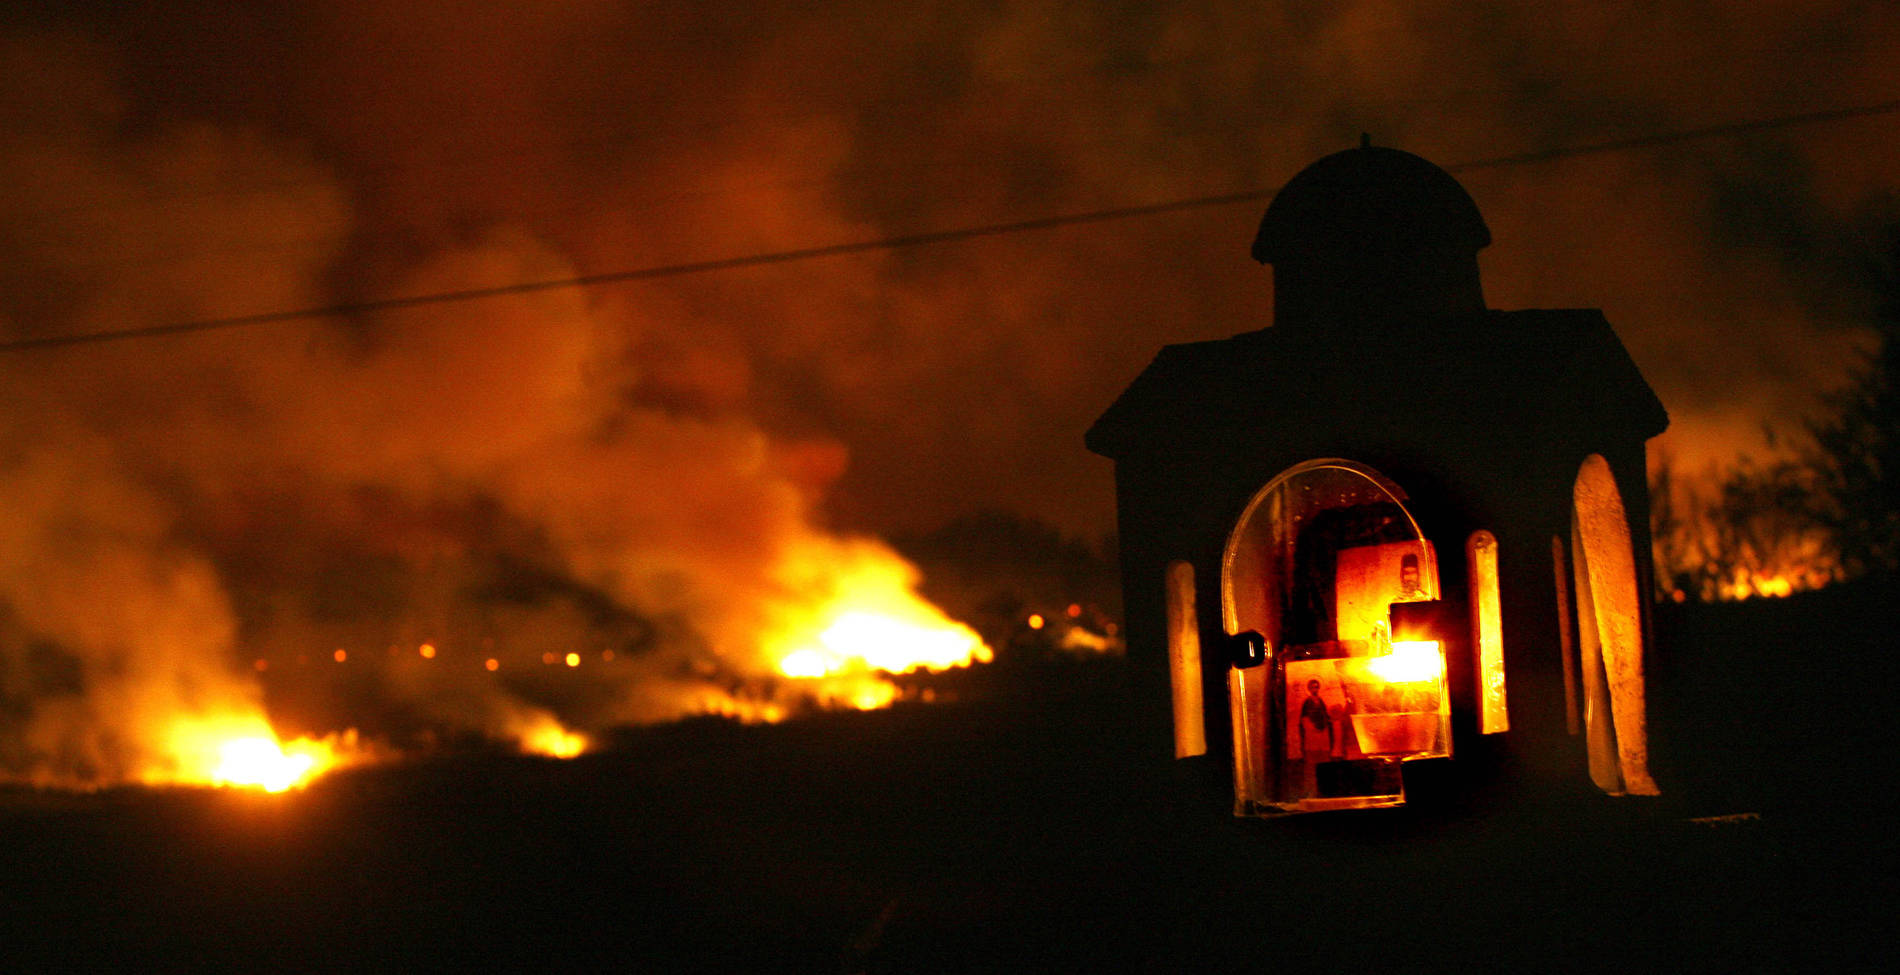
(1832, 512)
(1856, 449)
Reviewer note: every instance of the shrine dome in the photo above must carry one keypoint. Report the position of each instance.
(1369, 203)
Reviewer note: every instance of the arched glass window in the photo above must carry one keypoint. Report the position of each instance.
(1609, 634)
(1314, 565)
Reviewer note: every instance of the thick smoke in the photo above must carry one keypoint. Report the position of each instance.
(645, 469)
(486, 478)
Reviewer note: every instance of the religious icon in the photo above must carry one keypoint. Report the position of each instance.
(1370, 578)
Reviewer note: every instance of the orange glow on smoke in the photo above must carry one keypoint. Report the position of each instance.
(427, 650)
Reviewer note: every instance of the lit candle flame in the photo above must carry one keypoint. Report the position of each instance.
(1410, 661)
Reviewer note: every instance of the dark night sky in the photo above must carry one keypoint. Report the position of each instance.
(669, 440)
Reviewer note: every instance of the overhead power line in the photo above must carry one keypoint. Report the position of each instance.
(1680, 136)
(763, 259)
(637, 274)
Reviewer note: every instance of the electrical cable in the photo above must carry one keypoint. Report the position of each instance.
(655, 272)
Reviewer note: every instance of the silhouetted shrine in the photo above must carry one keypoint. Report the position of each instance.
(1398, 535)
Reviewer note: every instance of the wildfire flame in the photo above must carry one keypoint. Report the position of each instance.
(859, 639)
(245, 753)
(263, 763)
(1743, 584)
(875, 632)
(837, 640)
(842, 655)
(547, 737)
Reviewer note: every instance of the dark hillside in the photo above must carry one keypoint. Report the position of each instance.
(1019, 832)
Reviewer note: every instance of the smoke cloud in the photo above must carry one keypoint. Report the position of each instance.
(673, 470)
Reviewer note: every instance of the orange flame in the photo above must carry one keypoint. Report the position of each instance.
(554, 741)
(881, 640)
(1410, 661)
(839, 647)
(244, 752)
(537, 732)
(263, 763)
(876, 628)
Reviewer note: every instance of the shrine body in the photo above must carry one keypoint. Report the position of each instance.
(1389, 464)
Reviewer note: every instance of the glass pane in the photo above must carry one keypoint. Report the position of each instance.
(1314, 565)
(1487, 631)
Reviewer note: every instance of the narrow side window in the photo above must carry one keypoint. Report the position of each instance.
(1487, 632)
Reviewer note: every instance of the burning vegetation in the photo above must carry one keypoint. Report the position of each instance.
(112, 711)
(1827, 512)
(1745, 534)
(399, 525)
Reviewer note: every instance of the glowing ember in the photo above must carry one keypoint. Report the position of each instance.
(1744, 584)
(748, 711)
(1083, 641)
